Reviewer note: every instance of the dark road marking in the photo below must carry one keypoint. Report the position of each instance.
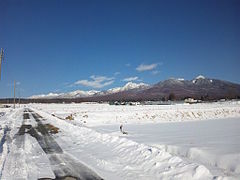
(2, 141)
(26, 116)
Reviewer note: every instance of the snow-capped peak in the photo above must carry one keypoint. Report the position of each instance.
(79, 93)
(197, 78)
(131, 85)
(200, 77)
(73, 94)
(49, 95)
(128, 86)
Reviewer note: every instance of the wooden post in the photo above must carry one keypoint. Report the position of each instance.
(19, 99)
(0, 66)
(1, 59)
(14, 95)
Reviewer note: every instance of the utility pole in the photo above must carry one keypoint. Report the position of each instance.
(19, 100)
(1, 60)
(14, 94)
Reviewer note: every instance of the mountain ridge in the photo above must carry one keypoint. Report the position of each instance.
(81, 93)
(198, 88)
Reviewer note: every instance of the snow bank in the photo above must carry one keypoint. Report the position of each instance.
(228, 163)
(213, 143)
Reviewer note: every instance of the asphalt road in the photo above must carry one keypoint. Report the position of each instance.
(62, 164)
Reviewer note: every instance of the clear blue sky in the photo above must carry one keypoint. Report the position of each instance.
(60, 46)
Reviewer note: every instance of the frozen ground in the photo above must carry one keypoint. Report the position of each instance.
(183, 147)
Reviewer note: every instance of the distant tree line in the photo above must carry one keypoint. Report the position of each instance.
(171, 97)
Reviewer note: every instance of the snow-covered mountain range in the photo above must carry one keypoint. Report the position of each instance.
(198, 88)
(81, 93)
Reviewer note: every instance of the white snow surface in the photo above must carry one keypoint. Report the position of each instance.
(212, 143)
(93, 114)
(199, 141)
(114, 157)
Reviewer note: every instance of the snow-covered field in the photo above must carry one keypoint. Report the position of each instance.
(213, 143)
(104, 114)
(200, 141)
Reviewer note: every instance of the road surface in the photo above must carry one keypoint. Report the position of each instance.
(62, 164)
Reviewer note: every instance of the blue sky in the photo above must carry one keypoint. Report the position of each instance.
(60, 46)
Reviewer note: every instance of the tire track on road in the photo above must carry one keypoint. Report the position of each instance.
(63, 165)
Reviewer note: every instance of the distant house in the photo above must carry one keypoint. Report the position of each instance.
(4, 106)
(134, 103)
(111, 103)
(124, 103)
(191, 101)
(157, 102)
